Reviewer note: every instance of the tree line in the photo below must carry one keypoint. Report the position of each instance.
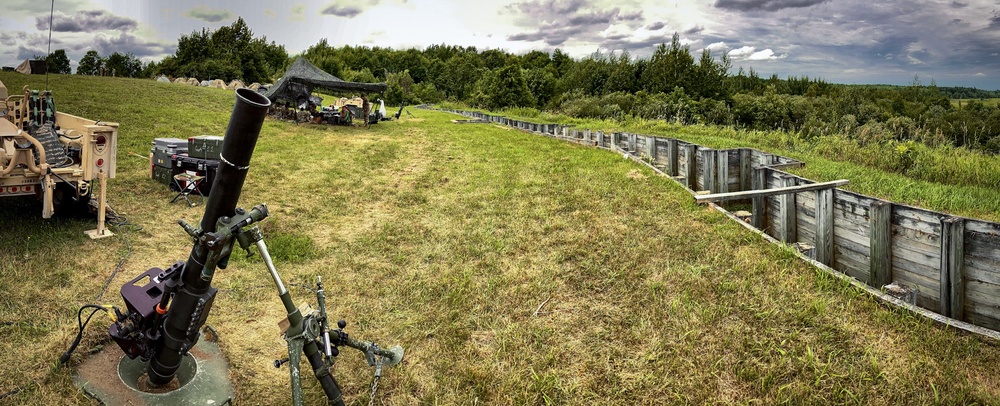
(672, 84)
(93, 64)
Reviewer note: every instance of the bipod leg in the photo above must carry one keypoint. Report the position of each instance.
(294, 356)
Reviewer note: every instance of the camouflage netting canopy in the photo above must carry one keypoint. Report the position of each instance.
(306, 74)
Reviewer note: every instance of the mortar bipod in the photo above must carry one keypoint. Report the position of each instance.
(311, 336)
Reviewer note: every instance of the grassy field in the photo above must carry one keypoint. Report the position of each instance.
(986, 102)
(947, 179)
(514, 269)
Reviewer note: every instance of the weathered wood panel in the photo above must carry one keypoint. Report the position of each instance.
(690, 169)
(851, 263)
(880, 272)
(916, 252)
(789, 228)
(759, 203)
(951, 276)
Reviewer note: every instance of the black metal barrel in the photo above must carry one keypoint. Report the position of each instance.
(192, 302)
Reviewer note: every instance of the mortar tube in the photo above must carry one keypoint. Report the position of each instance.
(237, 148)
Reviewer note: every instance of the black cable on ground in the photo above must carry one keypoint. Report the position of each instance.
(82, 325)
(16, 391)
(121, 224)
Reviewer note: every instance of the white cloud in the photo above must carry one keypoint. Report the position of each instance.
(765, 55)
(742, 52)
(717, 46)
(980, 74)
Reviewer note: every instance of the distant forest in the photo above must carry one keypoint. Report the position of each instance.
(673, 85)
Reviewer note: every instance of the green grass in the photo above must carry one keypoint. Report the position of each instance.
(947, 179)
(514, 269)
(985, 102)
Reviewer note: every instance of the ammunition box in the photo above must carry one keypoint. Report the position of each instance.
(163, 174)
(205, 147)
(199, 166)
(164, 150)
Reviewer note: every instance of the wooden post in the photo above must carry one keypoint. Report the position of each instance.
(708, 170)
(746, 171)
(880, 251)
(722, 171)
(651, 147)
(631, 143)
(672, 157)
(691, 162)
(953, 267)
(824, 226)
(759, 203)
(600, 138)
(788, 220)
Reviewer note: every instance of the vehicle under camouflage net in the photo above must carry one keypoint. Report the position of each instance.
(50, 154)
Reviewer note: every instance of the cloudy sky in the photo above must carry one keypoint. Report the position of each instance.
(954, 42)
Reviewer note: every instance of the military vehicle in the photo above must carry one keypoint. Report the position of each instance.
(50, 154)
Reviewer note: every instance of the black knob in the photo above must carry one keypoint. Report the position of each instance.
(334, 351)
(240, 211)
(279, 362)
(341, 323)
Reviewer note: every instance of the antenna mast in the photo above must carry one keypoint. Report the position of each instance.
(52, 10)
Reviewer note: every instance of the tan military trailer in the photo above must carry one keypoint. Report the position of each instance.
(50, 154)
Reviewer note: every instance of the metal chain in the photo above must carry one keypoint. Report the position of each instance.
(378, 374)
(371, 400)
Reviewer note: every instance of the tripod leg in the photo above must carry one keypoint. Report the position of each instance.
(294, 356)
(322, 373)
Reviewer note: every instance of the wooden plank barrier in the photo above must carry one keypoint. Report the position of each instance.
(880, 258)
(952, 267)
(708, 170)
(789, 225)
(691, 166)
(672, 157)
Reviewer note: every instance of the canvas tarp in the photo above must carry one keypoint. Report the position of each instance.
(29, 66)
(306, 74)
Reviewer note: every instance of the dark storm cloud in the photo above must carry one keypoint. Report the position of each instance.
(127, 43)
(29, 52)
(10, 38)
(767, 5)
(854, 40)
(342, 11)
(655, 26)
(694, 30)
(86, 21)
(633, 45)
(209, 15)
(555, 22)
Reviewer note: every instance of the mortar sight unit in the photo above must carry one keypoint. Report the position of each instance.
(167, 308)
